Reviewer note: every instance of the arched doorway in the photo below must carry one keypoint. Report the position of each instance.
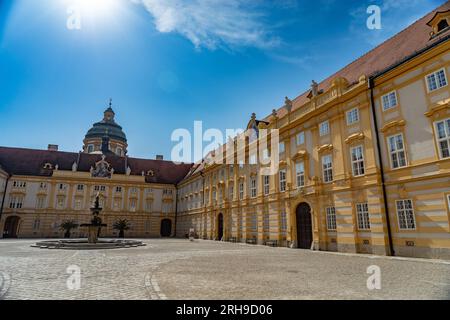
(220, 227)
(304, 226)
(11, 226)
(166, 227)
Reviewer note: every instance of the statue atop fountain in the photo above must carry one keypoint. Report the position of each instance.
(96, 223)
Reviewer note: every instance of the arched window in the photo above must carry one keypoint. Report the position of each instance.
(119, 151)
(90, 148)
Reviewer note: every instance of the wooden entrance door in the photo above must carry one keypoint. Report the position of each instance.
(304, 226)
(11, 225)
(166, 227)
(220, 227)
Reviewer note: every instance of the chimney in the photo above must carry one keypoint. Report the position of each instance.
(52, 147)
(159, 157)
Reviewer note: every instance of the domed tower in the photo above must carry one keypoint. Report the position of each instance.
(107, 131)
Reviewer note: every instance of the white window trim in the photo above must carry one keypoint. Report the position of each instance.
(357, 161)
(390, 107)
(331, 168)
(281, 143)
(282, 182)
(266, 186)
(404, 150)
(331, 213)
(358, 216)
(436, 134)
(322, 134)
(357, 116)
(300, 175)
(398, 217)
(435, 72)
(301, 133)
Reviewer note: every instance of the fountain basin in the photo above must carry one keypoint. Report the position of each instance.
(83, 244)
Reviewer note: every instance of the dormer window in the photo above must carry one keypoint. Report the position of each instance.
(439, 23)
(443, 24)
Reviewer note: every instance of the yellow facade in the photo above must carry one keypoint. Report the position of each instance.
(416, 194)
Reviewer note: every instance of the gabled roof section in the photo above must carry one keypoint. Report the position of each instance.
(31, 162)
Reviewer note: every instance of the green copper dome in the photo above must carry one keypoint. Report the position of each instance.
(107, 127)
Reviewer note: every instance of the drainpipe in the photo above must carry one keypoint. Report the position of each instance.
(380, 159)
(176, 212)
(4, 197)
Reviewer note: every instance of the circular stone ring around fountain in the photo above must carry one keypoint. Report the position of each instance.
(92, 242)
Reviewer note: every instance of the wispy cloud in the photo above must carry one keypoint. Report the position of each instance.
(213, 23)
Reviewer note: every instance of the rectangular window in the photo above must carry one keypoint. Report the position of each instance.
(362, 212)
(253, 187)
(389, 100)
(266, 182)
(281, 147)
(252, 159)
(397, 151)
(283, 222)
(324, 128)
(231, 192)
(132, 205)
(443, 137)
(357, 156)
(16, 202)
(119, 189)
(80, 187)
(61, 202)
(300, 174)
(300, 138)
(40, 201)
(62, 186)
(148, 205)
(36, 224)
(436, 80)
(117, 204)
(331, 218)
(78, 204)
(405, 215)
(353, 116)
(282, 176)
(241, 190)
(327, 168)
(448, 201)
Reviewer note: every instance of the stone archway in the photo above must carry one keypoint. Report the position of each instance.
(304, 226)
(220, 226)
(11, 227)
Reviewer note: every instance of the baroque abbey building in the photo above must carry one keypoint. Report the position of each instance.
(364, 167)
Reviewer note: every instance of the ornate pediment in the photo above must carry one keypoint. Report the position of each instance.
(302, 154)
(393, 124)
(325, 148)
(355, 137)
(102, 169)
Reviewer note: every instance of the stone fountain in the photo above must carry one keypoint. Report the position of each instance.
(96, 223)
(93, 241)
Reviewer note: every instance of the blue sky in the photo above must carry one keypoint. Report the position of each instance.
(167, 63)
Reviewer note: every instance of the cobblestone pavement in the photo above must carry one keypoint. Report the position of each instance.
(180, 269)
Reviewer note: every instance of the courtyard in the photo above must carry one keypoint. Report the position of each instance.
(180, 269)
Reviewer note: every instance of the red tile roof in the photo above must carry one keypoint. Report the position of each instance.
(20, 161)
(404, 44)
